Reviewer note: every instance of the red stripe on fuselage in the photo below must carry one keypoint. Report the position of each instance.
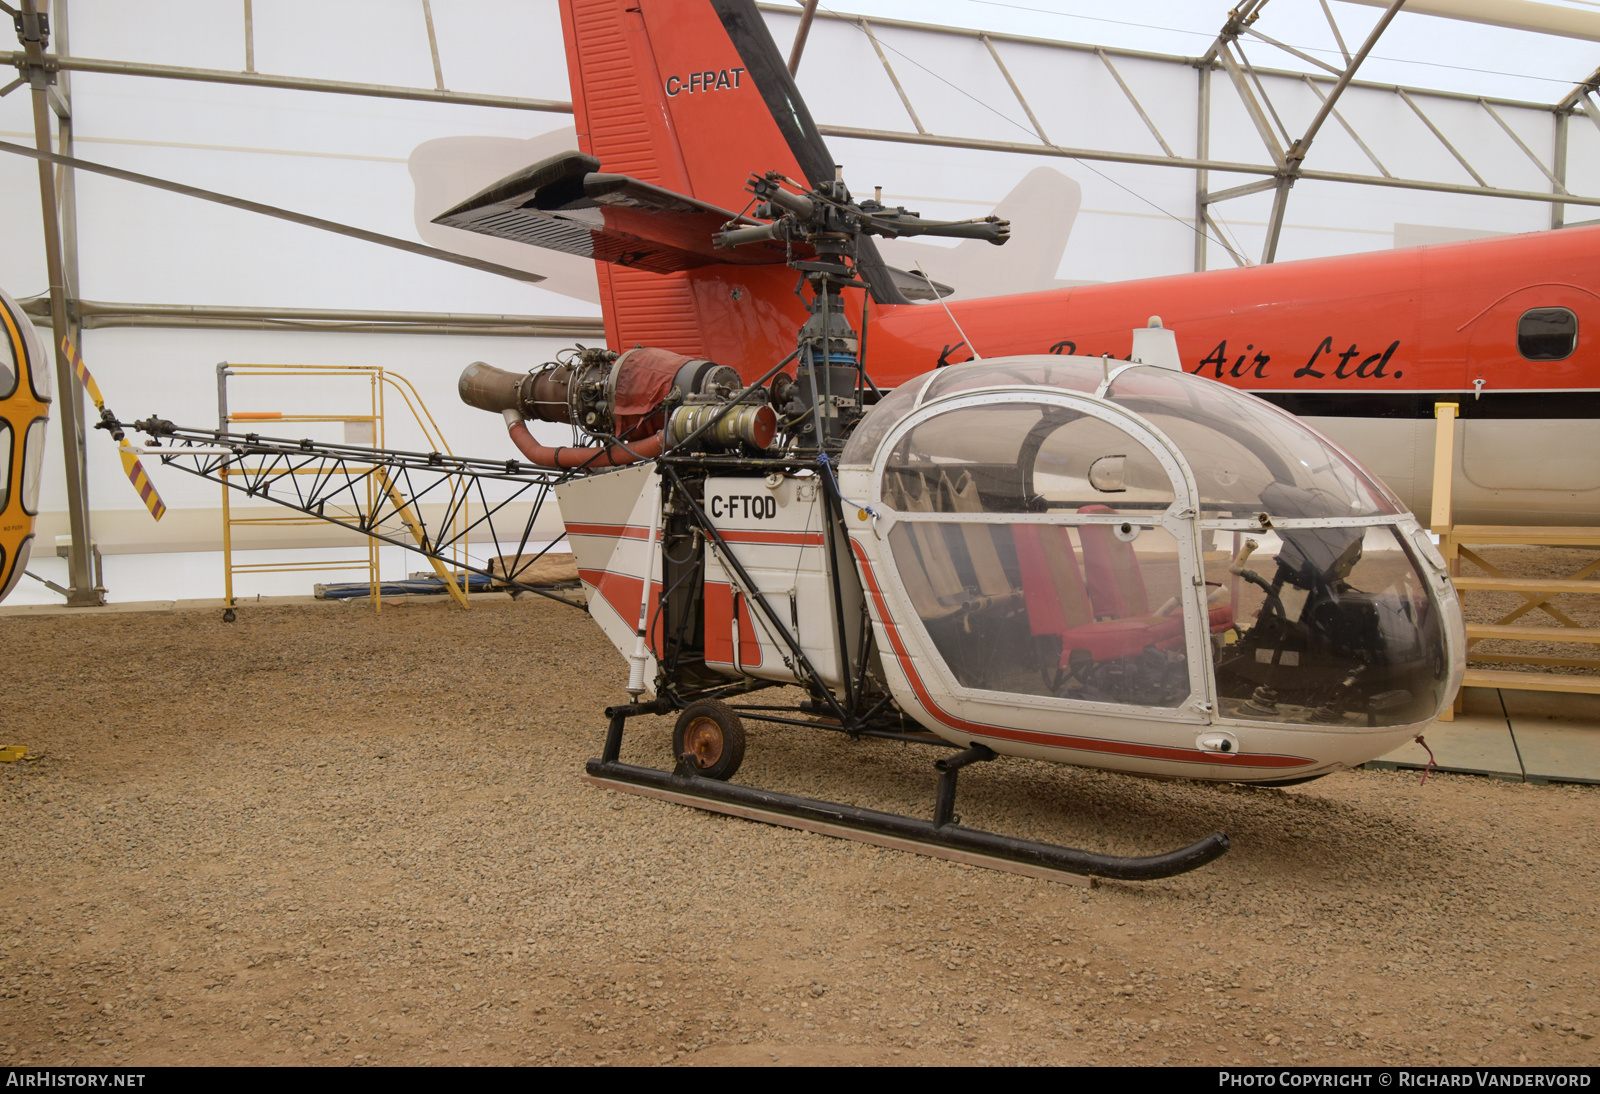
(622, 593)
(615, 531)
(778, 539)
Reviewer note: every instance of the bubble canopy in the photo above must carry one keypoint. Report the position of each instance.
(1246, 457)
(1080, 531)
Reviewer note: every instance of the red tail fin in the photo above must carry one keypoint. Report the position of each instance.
(693, 95)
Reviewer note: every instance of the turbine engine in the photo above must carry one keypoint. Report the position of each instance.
(635, 404)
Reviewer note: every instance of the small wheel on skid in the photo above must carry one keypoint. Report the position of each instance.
(713, 734)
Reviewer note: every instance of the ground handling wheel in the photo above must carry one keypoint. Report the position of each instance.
(713, 735)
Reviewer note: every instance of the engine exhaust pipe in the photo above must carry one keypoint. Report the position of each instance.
(489, 388)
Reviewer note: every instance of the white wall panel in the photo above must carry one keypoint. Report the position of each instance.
(502, 49)
(346, 158)
(364, 41)
(188, 33)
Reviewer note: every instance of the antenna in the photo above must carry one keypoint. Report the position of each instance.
(976, 356)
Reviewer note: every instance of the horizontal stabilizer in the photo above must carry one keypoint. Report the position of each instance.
(914, 286)
(566, 204)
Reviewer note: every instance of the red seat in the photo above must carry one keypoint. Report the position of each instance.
(1058, 604)
(1114, 578)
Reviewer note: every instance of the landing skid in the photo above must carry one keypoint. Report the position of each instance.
(943, 837)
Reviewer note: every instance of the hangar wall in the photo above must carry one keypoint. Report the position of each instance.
(383, 164)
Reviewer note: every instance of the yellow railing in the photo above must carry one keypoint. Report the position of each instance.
(363, 429)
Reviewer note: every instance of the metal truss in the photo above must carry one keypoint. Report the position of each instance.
(377, 492)
(1286, 152)
(1282, 167)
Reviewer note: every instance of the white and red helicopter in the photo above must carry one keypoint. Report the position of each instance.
(1099, 562)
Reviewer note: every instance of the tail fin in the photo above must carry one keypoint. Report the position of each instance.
(689, 96)
(692, 96)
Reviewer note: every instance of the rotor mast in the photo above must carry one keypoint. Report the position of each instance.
(822, 230)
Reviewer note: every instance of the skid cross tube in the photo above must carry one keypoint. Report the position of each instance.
(944, 805)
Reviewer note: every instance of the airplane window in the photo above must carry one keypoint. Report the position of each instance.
(1247, 456)
(1547, 334)
(1021, 458)
(32, 459)
(1330, 626)
(5, 464)
(1074, 612)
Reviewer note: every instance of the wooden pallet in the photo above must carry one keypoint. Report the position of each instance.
(1531, 681)
(1535, 592)
(1547, 586)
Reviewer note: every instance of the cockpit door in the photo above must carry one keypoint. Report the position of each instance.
(1044, 550)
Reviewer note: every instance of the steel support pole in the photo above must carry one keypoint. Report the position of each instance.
(801, 35)
(1280, 205)
(92, 315)
(273, 211)
(934, 140)
(67, 184)
(249, 37)
(1296, 155)
(1202, 177)
(433, 45)
(299, 83)
(905, 100)
(1298, 152)
(69, 393)
(1017, 91)
(1558, 211)
(67, 198)
(1592, 112)
(1350, 129)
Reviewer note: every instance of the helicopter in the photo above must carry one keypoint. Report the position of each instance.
(1107, 563)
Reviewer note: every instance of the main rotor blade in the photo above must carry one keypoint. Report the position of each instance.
(271, 211)
(130, 458)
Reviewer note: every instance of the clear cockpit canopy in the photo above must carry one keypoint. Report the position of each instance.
(21, 352)
(1038, 537)
(1024, 456)
(1249, 457)
(1080, 374)
(10, 367)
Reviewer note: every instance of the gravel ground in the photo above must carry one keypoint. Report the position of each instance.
(332, 836)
